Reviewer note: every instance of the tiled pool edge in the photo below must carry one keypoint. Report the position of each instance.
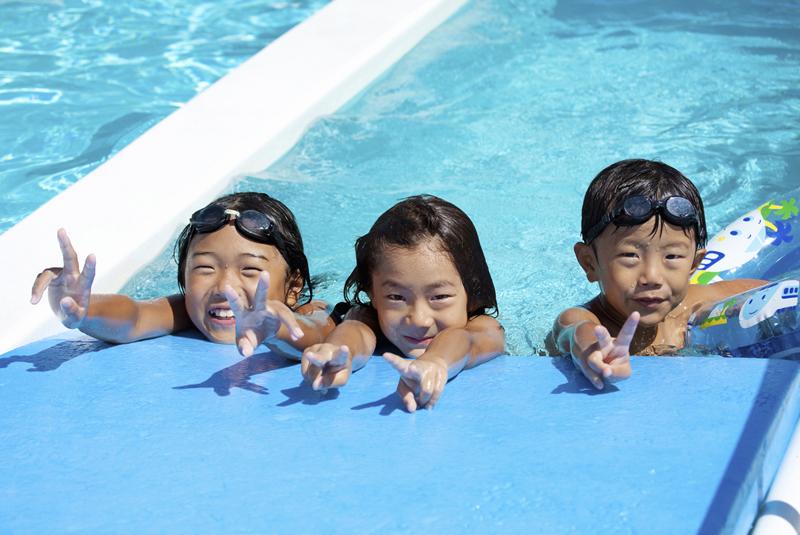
(241, 124)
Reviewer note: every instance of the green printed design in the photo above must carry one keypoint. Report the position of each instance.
(787, 210)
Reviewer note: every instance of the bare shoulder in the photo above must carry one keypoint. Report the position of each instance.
(485, 323)
(573, 316)
(312, 307)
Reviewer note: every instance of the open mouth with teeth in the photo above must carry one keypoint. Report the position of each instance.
(224, 315)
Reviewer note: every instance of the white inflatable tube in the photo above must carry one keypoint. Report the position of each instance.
(780, 512)
(130, 208)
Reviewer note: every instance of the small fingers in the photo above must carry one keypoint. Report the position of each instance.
(68, 252)
(406, 394)
(41, 283)
(72, 312)
(315, 358)
(625, 335)
(400, 365)
(287, 317)
(245, 345)
(262, 291)
(604, 338)
(237, 304)
(338, 360)
(436, 393)
(87, 275)
(593, 368)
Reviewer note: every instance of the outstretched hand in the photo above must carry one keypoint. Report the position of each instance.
(68, 288)
(263, 320)
(326, 366)
(421, 381)
(609, 358)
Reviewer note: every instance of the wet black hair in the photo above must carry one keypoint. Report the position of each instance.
(287, 226)
(413, 221)
(652, 179)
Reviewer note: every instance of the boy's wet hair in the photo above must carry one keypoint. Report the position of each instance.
(652, 179)
(416, 220)
(287, 226)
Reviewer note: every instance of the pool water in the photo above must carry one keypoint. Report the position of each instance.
(510, 109)
(80, 79)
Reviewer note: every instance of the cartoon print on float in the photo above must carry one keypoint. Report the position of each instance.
(768, 301)
(756, 234)
(736, 244)
(718, 314)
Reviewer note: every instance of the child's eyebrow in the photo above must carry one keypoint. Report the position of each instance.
(391, 284)
(641, 244)
(247, 255)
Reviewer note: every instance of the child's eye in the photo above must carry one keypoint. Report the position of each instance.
(441, 296)
(203, 270)
(629, 255)
(252, 271)
(394, 297)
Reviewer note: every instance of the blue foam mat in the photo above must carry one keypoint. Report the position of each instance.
(179, 435)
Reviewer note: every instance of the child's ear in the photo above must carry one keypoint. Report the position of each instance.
(587, 259)
(698, 257)
(294, 287)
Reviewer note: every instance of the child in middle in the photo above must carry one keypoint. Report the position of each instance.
(429, 293)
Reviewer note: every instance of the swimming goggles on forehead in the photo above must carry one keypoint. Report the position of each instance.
(249, 223)
(637, 209)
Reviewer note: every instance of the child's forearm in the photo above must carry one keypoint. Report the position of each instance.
(462, 348)
(577, 338)
(316, 326)
(358, 337)
(119, 319)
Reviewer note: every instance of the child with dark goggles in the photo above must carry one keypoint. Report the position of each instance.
(637, 209)
(251, 224)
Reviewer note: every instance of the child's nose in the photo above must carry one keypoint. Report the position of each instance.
(226, 278)
(650, 275)
(420, 316)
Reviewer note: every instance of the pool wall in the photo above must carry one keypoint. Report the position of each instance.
(129, 209)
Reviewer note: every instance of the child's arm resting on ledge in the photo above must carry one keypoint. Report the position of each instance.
(346, 349)
(594, 351)
(111, 318)
(452, 350)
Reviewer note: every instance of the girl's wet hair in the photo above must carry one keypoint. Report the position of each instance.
(287, 226)
(417, 220)
(652, 179)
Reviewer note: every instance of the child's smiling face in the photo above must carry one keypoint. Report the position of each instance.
(641, 271)
(222, 258)
(417, 293)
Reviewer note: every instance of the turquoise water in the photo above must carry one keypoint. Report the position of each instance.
(511, 108)
(79, 80)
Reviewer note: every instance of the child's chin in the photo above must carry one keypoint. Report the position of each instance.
(414, 353)
(652, 319)
(221, 337)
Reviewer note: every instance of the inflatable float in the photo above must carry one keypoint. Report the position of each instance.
(763, 322)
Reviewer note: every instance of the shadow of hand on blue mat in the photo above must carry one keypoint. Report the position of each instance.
(51, 358)
(306, 395)
(390, 403)
(238, 375)
(576, 382)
